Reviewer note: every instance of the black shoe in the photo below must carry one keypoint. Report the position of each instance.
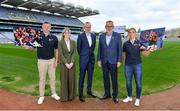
(91, 94)
(81, 99)
(105, 97)
(115, 100)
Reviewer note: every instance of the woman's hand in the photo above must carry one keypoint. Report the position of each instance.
(67, 65)
(71, 65)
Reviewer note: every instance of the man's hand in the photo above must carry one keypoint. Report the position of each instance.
(55, 64)
(99, 63)
(118, 64)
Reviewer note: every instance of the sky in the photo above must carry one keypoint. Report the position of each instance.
(143, 14)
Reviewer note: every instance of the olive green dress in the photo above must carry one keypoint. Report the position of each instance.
(67, 76)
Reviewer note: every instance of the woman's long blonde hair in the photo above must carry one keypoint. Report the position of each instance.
(64, 30)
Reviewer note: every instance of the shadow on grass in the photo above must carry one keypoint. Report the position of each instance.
(7, 79)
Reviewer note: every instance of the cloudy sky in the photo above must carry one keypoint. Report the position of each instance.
(133, 13)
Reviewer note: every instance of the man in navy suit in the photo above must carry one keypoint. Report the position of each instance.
(109, 58)
(86, 43)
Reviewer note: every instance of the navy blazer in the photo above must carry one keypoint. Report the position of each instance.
(111, 53)
(85, 52)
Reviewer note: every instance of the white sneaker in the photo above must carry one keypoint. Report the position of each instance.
(40, 100)
(128, 99)
(137, 102)
(55, 96)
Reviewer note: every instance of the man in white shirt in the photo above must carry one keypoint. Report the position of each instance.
(85, 45)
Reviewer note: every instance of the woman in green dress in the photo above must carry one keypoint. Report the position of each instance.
(67, 51)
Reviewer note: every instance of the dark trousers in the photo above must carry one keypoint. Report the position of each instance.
(110, 69)
(89, 67)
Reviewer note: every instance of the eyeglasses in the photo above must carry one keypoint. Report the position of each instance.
(87, 27)
(109, 26)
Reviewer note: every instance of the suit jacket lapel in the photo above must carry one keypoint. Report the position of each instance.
(92, 40)
(112, 38)
(66, 49)
(71, 45)
(104, 39)
(86, 38)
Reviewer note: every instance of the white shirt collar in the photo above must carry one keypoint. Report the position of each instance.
(132, 41)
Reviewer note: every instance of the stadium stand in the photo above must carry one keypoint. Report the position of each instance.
(32, 13)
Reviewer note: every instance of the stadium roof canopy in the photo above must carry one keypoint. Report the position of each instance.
(56, 7)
